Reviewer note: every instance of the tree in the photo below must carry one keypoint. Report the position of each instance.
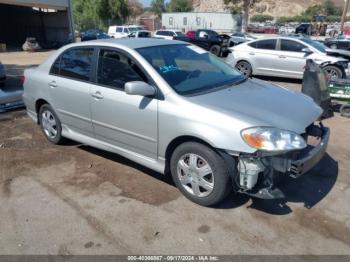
(135, 9)
(330, 9)
(158, 7)
(261, 18)
(180, 6)
(237, 6)
(99, 13)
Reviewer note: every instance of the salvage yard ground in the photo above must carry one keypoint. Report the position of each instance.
(74, 199)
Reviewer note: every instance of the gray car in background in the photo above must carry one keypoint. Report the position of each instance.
(175, 108)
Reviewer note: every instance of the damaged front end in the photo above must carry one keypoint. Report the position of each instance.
(258, 173)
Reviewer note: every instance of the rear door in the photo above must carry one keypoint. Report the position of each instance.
(291, 58)
(124, 121)
(264, 56)
(70, 83)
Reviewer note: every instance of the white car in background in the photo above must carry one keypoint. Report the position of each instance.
(284, 57)
(167, 34)
(123, 31)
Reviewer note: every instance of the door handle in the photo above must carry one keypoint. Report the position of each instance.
(251, 53)
(97, 95)
(282, 56)
(53, 84)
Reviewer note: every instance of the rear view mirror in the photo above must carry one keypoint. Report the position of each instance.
(139, 88)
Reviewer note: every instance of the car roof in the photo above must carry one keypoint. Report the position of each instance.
(131, 42)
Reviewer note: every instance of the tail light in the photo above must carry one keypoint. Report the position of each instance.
(23, 79)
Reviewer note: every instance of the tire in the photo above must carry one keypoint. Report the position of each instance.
(345, 110)
(206, 189)
(333, 46)
(333, 72)
(231, 44)
(215, 49)
(50, 125)
(245, 68)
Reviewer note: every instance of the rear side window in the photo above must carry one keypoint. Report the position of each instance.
(55, 69)
(119, 29)
(76, 63)
(291, 46)
(269, 44)
(115, 69)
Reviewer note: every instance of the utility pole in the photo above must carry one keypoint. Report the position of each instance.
(345, 11)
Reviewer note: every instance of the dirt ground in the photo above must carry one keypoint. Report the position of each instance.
(74, 199)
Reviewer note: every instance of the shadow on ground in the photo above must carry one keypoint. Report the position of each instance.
(308, 189)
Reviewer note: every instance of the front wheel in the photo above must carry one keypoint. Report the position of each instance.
(345, 110)
(245, 68)
(200, 173)
(333, 72)
(215, 49)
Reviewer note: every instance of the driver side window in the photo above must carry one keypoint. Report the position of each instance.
(115, 69)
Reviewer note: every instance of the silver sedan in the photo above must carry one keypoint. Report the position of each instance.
(177, 109)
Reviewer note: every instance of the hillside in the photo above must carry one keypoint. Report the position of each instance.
(271, 7)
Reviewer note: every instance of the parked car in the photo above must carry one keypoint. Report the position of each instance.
(304, 28)
(168, 34)
(141, 33)
(31, 45)
(285, 57)
(339, 42)
(210, 41)
(174, 107)
(240, 37)
(191, 34)
(123, 31)
(93, 34)
(2, 75)
(258, 29)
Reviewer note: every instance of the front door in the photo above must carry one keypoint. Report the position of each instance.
(125, 121)
(292, 59)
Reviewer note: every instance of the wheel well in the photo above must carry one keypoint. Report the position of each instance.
(175, 143)
(38, 104)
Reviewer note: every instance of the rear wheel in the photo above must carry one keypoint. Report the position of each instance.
(245, 68)
(345, 110)
(333, 72)
(50, 124)
(200, 173)
(215, 49)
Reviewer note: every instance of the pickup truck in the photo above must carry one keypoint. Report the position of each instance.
(209, 40)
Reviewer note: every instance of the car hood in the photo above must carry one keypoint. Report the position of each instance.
(259, 102)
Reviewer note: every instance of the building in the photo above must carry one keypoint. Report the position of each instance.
(220, 22)
(50, 21)
(149, 21)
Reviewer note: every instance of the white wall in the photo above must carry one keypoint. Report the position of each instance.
(220, 22)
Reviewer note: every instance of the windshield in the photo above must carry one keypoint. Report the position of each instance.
(134, 29)
(189, 69)
(319, 46)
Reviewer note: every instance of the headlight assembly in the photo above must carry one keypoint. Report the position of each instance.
(272, 139)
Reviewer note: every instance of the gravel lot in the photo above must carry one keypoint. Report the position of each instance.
(74, 199)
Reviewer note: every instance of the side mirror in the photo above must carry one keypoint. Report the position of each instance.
(139, 88)
(306, 50)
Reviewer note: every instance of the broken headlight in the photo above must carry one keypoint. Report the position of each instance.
(272, 139)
